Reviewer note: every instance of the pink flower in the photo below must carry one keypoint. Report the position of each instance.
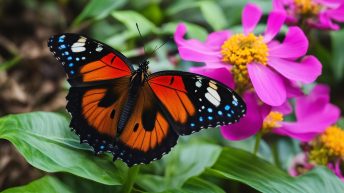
(314, 113)
(256, 61)
(251, 123)
(321, 14)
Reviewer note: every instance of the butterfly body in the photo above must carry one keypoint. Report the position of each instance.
(135, 115)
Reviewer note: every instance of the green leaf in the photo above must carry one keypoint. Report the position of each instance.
(98, 10)
(337, 63)
(197, 185)
(46, 142)
(234, 164)
(184, 162)
(130, 18)
(189, 160)
(42, 185)
(213, 14)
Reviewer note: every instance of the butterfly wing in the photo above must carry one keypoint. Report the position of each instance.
(148, 134)
(194, 101)
(173, 103)
(99, 76)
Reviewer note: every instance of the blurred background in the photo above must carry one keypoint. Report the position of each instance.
(32, 80)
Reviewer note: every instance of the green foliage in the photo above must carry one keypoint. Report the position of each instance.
(46, 184)
(337, 63)
(202, 162)
(46, 142)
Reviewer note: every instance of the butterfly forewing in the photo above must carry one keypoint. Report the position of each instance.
(195, 101)
(86, 60)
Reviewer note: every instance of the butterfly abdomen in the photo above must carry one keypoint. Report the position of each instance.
(129, 105)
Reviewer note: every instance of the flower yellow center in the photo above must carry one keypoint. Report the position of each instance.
(328, 146)
(307, 7)
(240, 50)
(272, 121)
(333, 139)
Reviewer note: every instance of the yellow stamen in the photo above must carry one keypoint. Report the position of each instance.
(307, 7)
(272, 121)
(240, 50)
(333, 139)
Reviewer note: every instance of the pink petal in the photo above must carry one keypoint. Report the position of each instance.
(217, 38)
(321, 90)
(324, 22)
(294, 45)
(268, 84)
(293, 89)
(248, 125)
(222, 75)
(307, 129)
(337, 14)
(316, 101)
(194, 50)
(285, 108)
(275, 22)
(198, 55)
(250, 17)
(306, 71)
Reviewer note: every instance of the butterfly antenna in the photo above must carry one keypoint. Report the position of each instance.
(138, 29)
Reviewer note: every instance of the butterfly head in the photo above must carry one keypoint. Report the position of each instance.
(143, 67)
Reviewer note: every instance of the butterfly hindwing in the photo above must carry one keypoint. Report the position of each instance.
(195, 101)
(148, 134)
(86, 60)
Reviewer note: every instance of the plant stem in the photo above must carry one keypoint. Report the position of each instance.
(256, 145)
(129, 182)
(275, 154)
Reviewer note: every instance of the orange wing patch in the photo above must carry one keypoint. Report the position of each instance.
(171, 92)
(109, 67)
(104, 118)
(135, 135)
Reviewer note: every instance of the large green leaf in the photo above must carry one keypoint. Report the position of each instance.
(242, 166)
(197, 185)
(338, 56)
(42, 185)
(46, 142)
(96, 9)
(183, 163)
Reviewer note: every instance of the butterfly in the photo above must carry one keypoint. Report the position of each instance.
(135, 115)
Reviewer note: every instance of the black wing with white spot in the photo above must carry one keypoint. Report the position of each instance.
(75, 51)
(195, 102)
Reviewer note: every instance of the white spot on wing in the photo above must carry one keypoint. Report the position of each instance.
(213, 97)
(79, 46)
(98, 49)
(78, 49)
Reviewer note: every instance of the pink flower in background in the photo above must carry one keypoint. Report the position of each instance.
(314, 113)
(256, 61)
(321, 14)
(251, 123)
